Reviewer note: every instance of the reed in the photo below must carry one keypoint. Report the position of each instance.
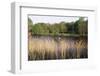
(46, 49)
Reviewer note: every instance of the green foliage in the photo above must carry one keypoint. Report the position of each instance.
(54, 29)
(78, 27)
(82, 26)
(63, 28)
(71, 27)
(40, 28)
(30, 23)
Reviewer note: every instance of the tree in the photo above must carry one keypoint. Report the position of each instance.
(62, 27)
(30, 24)
(76, 27)
(54, 29)
(82, 26)
(40, 28)
(70, 27)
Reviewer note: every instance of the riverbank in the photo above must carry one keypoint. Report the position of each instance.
(63, 34)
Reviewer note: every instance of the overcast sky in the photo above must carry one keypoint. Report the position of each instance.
(51, 19)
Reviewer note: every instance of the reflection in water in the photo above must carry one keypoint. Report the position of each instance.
(57, 47)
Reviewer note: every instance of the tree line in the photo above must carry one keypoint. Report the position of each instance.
(79, 27)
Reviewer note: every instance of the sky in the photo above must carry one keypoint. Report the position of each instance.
(51, 19)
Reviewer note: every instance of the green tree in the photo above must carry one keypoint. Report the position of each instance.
(30, 24)
(70, 26)
(40, 28)
(82, 26)
(76, 27)
(62, 27)
(54, 29)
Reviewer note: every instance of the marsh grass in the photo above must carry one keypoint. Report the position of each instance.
(48, 49)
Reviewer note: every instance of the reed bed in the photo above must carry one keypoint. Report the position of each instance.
(48, 49)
